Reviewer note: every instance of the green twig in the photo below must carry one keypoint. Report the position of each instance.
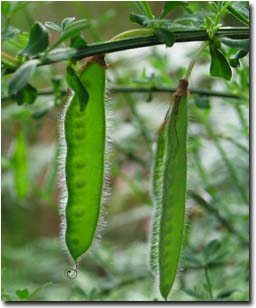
(127, 89)
(136, 42)
(242, 119)
(238, 15)
(194, 60)
(208, 283)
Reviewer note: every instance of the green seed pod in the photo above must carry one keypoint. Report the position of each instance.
(85, 157)
(168, 222)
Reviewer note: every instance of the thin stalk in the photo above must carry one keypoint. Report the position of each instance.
(194, 60)
(135, 42)
(242, 119)
(208, 283)
(239, 16)
(236, 143)
(124, 89)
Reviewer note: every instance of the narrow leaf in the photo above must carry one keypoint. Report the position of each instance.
(234, 61)
(212, 247)
(226, 293)
(52, 26)
(165, 36)
(240, 11)
(77, 86)
(38, 40)
(145, 8)
(27, 95)
(70, 31)
(67, 21)
(170, 5)
(78, 41)
(192, 293)
(20, 78)
(140, 19)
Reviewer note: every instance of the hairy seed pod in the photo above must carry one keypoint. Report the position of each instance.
(85, 138)
(168, 222)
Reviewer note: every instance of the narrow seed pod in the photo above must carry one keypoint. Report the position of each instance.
(85, 136)
(171, 203)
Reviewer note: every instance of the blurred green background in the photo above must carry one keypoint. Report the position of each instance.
(33, 259)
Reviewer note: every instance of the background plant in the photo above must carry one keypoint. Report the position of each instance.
(216, 247)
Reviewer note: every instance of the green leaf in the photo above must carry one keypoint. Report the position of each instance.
(10, 7)
(20, 78)
(78, 41)
(26, 95)
(170, 5)
(239, 9)
(165, 36)
(5, 7)
(22, 293)
(219, 65)
(188, 258)
(192, 293)
(38, 40)
(226, 293)
(241, 44)
(67, 21)
(234, 60)
(77, 86)
(212, 248)
(145, 8)
(71, 30)
(140, 19)
(23, 38)
(202, 102)
(52, 26)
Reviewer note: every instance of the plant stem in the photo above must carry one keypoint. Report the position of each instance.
(208, 283)
(194, 60)
(239, 16)
(242, 119)
(124, 89)
(59, 55)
